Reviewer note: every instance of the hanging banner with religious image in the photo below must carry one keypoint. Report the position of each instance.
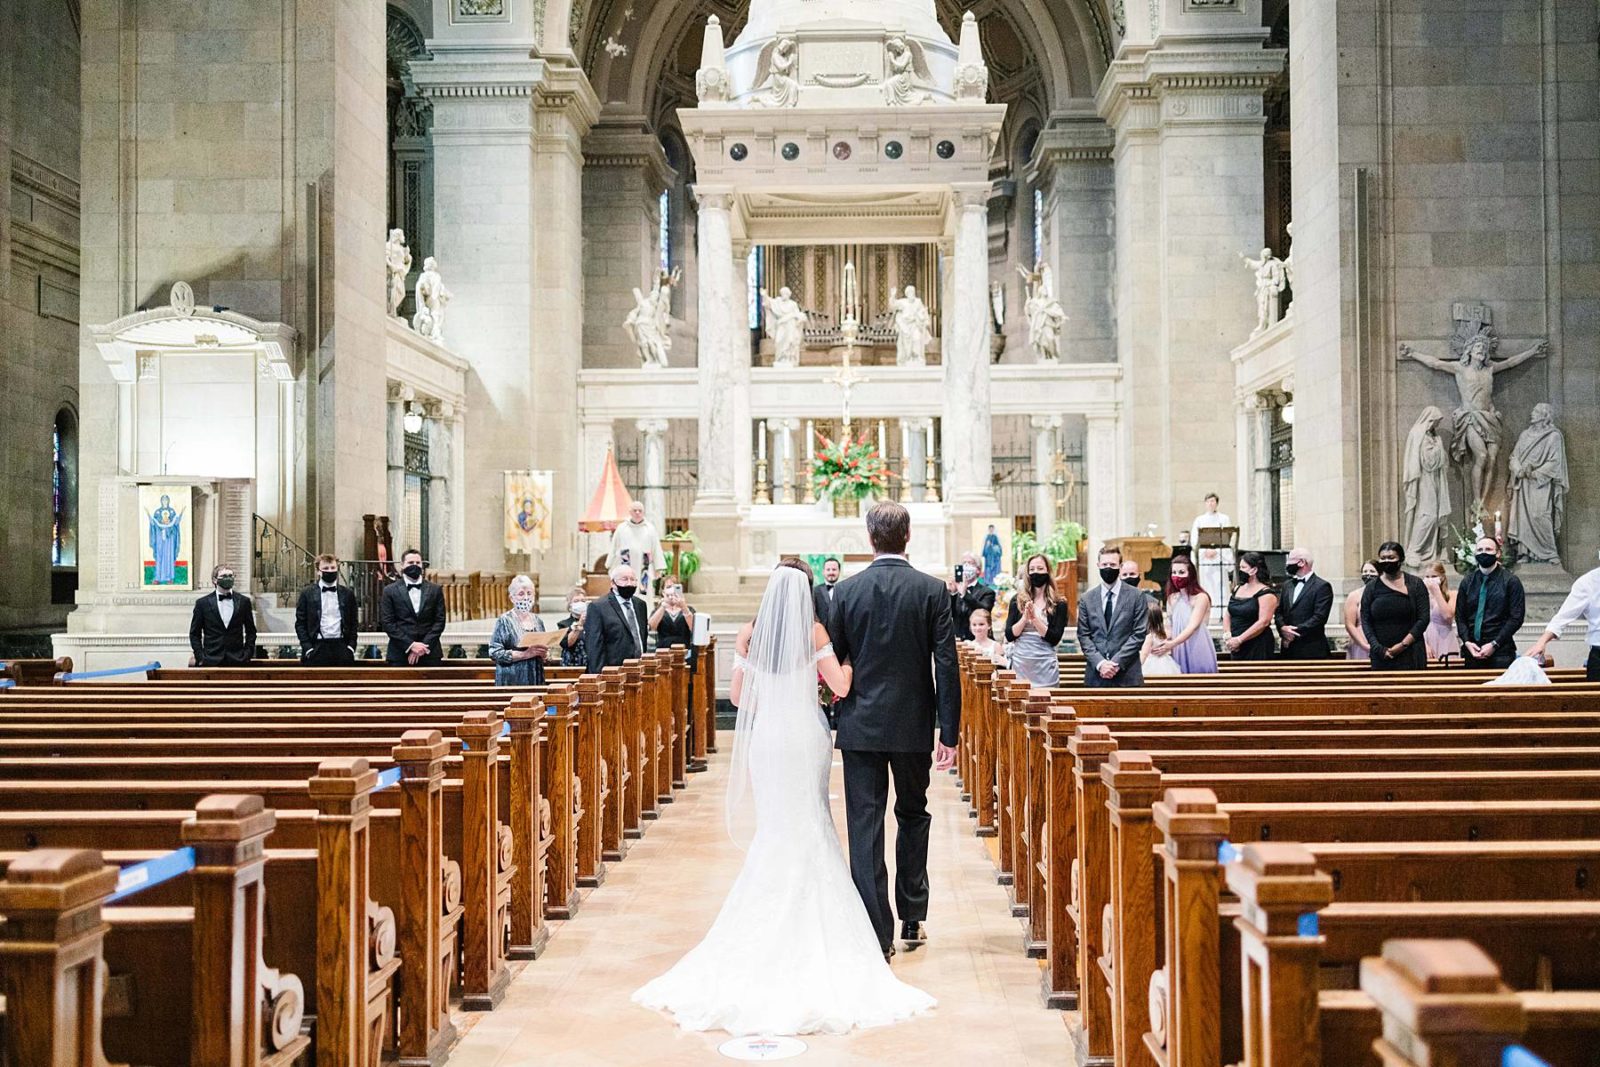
(529, 496)
(167, 547)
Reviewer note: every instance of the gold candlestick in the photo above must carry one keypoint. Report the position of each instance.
(905, 479)
(761, 483)
(931, 495)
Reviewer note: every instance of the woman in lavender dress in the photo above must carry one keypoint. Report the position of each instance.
(1188, 611)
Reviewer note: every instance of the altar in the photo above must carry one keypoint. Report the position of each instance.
(772, 531)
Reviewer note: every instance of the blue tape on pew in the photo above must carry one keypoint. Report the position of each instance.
(1517, 1056)
(505, 731)
(78, 676)
(142, 876)
(7, 683)
(1227, 852)
(1307, 924)
(387, 778)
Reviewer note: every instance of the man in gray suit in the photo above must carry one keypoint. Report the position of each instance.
(1111, 627)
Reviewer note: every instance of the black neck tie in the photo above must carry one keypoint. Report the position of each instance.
(1110, 599)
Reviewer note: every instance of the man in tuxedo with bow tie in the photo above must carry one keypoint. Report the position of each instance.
(222, 631)
(822, 595)
(325, 619)
(615, 626)
(411, 612)
(1303, 609)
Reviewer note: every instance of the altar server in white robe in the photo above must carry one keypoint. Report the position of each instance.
(1214, 562)
(637, 544)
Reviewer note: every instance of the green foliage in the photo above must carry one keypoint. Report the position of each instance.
(688, 558)
(1062, 544)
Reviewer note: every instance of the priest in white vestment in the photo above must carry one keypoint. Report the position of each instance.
(637, 544)
(1214, 562)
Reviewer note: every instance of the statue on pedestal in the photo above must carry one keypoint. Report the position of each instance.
(649, 324)
(1271, 280)
(786, 322)
(432, 297)
(397, 261)
(913, 328)
(775, 71)
(907, 63)
(1478, 427)
(1044, 313)
(1425, 474)
(1538, 488)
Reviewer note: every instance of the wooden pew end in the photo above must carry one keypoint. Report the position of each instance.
(1442, 1002)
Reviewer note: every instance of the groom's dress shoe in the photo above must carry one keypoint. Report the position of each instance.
(888, 953)
(913, 934)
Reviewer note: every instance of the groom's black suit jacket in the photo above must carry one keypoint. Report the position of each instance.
(892, 622)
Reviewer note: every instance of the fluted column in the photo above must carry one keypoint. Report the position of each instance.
(968, 449)
(655, 470)
(1046, 435)
(395, 453)
(715, 513)
(1103, 459)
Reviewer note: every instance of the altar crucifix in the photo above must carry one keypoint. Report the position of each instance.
(846, 377)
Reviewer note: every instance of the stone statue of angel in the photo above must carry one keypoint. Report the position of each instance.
(913, 328)
(775, 71)
(1270, 282)
(397, 261)
(1044, 313)
(907, 64)
(649, 324)
(786, 321)
(432, 296)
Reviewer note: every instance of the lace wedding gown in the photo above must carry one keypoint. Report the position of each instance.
(792, 950)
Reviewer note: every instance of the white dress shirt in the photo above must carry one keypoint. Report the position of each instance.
(1583, 602)
(225, 609)
(332, 624)
(414, 591)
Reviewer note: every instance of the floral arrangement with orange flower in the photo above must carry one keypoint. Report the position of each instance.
(848, 469)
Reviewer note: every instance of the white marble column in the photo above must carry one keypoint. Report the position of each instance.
(1046, 441)
(598, 442)
(654, 470)
(442, 487)
(739, 346)
(967, 448)
(399, 397)
(1106, 472)
(564, 108)
(724, 459)
(919, 457)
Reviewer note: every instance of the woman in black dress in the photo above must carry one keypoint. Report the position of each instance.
(1395, 614)
(673, 620)
(1250, 611)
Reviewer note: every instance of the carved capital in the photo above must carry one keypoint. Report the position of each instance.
(713, 199)
(972, 196)
(651, 427)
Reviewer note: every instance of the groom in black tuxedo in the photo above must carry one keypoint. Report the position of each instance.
(892, 622)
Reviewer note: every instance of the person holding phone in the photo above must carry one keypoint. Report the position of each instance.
(968, 593)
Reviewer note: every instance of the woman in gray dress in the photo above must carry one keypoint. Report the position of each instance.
(1035, 623)
(513, 664)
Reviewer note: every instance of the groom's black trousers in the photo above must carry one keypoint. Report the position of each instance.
(866, 789)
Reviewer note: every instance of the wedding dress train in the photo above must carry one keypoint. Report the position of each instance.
(792, 950)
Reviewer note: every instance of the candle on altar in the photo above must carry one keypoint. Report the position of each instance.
(848, 307)
(811, 436)
(905, 441)
(1499, 531)
(761, 441)
(883, 449)
(930, 438)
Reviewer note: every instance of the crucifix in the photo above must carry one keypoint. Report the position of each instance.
(846, 377)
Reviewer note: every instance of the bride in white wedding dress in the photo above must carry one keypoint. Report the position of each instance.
(792, 950)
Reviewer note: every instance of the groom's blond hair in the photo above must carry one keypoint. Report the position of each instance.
(889, 527)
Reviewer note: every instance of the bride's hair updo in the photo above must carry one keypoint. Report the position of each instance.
(800, 565)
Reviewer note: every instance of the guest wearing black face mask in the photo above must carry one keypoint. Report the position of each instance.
(222, 631)
(1489, 610)
(1357, 648)
(1303, 610)
(1130, 576)
(1034, 625)
(616, 627)
(1112, 623)
(411, 611)
(1250, 611)
(325, 619)
(1394, 614)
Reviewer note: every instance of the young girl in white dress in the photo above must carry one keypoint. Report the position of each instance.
(1156, 633)
(983, 638)
(792, 950)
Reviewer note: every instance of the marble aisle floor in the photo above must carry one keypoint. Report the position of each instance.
(570, 1008)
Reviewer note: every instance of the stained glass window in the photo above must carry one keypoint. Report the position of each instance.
(755, 267)
(666, 230)
(57, 505)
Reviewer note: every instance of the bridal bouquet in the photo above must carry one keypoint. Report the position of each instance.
(848, 470)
